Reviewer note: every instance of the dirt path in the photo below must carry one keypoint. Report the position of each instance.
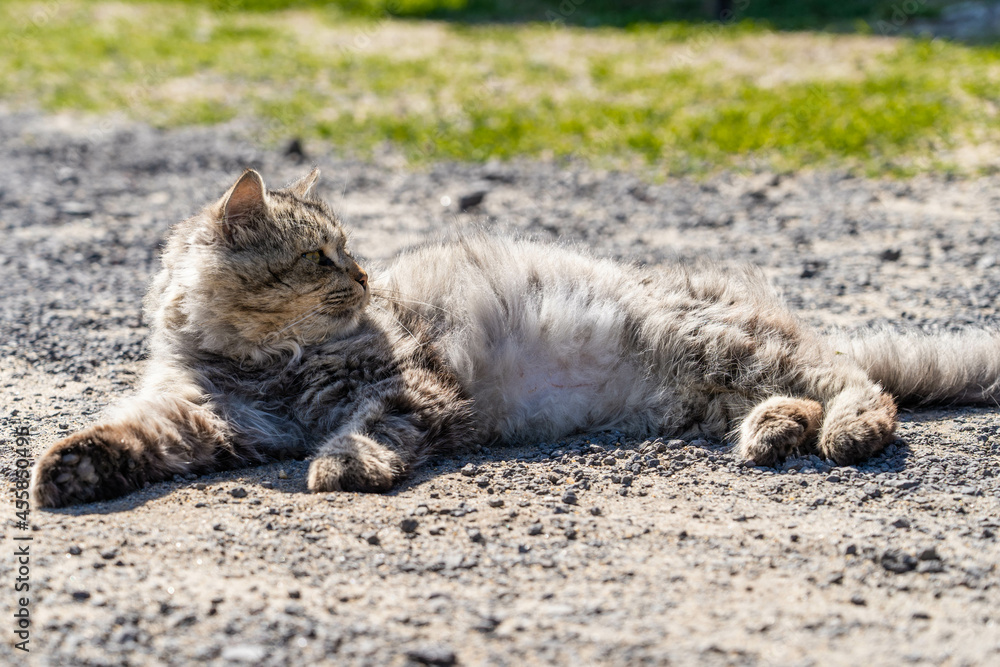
(594, 550)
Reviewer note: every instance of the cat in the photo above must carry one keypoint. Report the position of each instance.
(269, 340)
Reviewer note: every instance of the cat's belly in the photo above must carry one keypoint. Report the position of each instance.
(530, 393)
(544, 339)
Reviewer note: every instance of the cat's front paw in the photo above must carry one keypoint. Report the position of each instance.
(90, 465)
(778, 427)
(355, 463)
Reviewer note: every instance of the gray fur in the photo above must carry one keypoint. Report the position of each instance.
(268, 341)
(918, 369)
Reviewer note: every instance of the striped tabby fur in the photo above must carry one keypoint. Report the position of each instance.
(268, 340)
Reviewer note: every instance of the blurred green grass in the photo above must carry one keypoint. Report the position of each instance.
(675, 97)
(783, 14)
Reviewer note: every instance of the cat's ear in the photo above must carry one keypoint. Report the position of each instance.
(302, 187)
(243, 202)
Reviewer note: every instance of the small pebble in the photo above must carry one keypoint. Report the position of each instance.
(898, 561)
(76, 208)
(409, 525)
(438, 656)
(471, 200)
(929, 553)
(930, 567)
(245, 653)
(238, 492)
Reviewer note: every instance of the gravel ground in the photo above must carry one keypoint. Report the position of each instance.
(593, 550)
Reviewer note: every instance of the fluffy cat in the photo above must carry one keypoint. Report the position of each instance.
(268, 340)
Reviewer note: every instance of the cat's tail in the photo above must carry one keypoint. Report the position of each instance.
(920, 369)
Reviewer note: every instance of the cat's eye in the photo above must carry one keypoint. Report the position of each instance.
(318, 257)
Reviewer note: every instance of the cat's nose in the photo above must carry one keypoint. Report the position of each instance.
(361, 276)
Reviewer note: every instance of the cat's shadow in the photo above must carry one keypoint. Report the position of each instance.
(289, 476)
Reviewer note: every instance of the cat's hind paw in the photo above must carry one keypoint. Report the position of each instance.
(355, 463)
(858, 425)
(776, 428)
(90, 465)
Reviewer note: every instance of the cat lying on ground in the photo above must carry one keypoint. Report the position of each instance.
(268, 340)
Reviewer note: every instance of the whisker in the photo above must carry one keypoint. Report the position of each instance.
(400, 304)
(309, 313)
(408, 309)
(294, 322)
(395, 295)
(403, 326)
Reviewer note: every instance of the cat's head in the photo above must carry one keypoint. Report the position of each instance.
(258, 272)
